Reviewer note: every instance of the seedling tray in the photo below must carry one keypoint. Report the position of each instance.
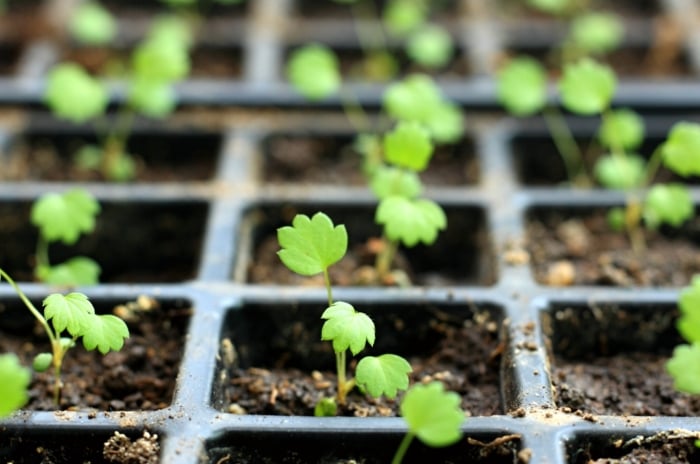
(190, 243)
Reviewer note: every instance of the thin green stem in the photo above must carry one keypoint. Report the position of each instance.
(329, 290)
(652, 166)
(353, 110)
(56, 348)
(385, 257)
(369, 32)
(567, 147)
(42, 253)
(115, 142)
(403, 447)
(340, 367)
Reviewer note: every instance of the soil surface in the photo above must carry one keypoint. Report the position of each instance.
(158, 158)
(139, 377)
(464, 355)
(664, 447)
(332, 160)
(568, 249)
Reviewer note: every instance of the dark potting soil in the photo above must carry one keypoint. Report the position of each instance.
(662, 448)
(581, 249)
(332, 160)
(159, 157)
(462, 353)
(141, 376)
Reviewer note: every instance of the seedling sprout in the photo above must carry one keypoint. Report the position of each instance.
(72, 313)
(15, 381)
(309, 247)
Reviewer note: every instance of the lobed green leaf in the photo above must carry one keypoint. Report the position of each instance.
(668, 204)
(587, 87)
(622, 129)
(597, 32)
(106, 332)
(347, 328)
(389, 181)
(72, 312)
(688, 323)
(382, 375)
(14, 385)
(311, 245)
(408, 146)
(64, 216)
(404, 16)
(684, 367)
(620, 171)
(431, 47)
(160, 60)
(681, 150)
(151, 98)
(410, 220)
(73, 94)
(314, 72)
(76, 271)
(433, 414)
(92, 24)
(522, 86)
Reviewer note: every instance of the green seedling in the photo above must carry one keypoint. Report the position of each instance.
(314, 71)
(309, 247)
(406, 218)
(157, 63)
(15, 381)
(433, 415)
(74, 314)
(63, 218)
(683, 365)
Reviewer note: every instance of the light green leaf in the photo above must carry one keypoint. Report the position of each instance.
(551, 6)
(430, 46)
(76, 271)
(410, 220)
(311, 245)
(382, 375)
(106, 332)
(154, 99)
(688, 323)
(681, 150)
(314, 72)
(403, 16)
(408, 146)
(171, 28)
(412, 99)
(433, 414)
(668, 204)
(597, 32)
(622, 129)
(72, 312)
(13, 388)
(159, 59)
(65, 216)
(389, 180)
(446, 122)
(522, 86)
(73, 94)
(347, 328)
(42, 362)
(620, 171)
(587, 87)
(684, 367)
(91, 24)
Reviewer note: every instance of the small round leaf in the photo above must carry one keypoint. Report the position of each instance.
(522, 86)
(314, 72)
(587, 87)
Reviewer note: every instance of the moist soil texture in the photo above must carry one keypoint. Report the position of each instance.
(332, 160)
(583, 250)
(464, 355)
(662, 448)
(141, 376)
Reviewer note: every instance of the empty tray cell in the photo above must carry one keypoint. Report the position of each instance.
(217, 62)
(294, 446)
(132, 242)
(577, 246)
(277, 350)
(461, 254)
(609, 359)
(141, 376)
(160, 155)
(332, 159)
(10, 54)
